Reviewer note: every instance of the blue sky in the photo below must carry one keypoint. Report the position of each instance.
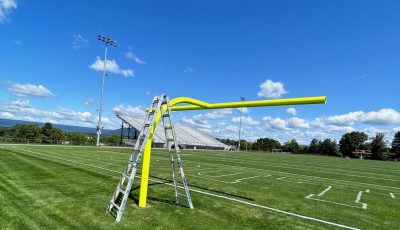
(214, 51)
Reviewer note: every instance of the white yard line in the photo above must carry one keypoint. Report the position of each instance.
(325, 191)
(215, 195)
(358, 198)
(332, 202)
(246, 178)
(392, 195)
(280, 178)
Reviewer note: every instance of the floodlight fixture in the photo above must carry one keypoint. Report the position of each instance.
(107, 41)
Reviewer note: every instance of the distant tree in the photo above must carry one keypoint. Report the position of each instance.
(27, 131)
(396, 144)
(266, 144)
(352, 141)
(378, 146)
(292, 146)
(51, 134)
(314, 146)
(329, 147)
(112, 140)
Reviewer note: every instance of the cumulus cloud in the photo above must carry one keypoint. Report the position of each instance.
(278, 123)
(6, 8)
(298, 123)
(244, 110)
(111, 66)
(7, 115)
(24, 90)
(291, 111)
(245, 120)
(78, 41)
(385, 116)
(202, 124)
(23, 110)
(214, 115)
(135, 111)
(131, 56)
(270, 89)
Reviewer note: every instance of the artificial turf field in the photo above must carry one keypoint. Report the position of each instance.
(53, 187)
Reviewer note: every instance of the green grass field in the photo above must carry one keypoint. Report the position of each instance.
(48, 187)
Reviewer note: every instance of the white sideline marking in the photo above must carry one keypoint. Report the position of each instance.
(392, 195)
(299, 182)
(364, 205)
(280, 178)
(367, 190)
(210, 194)
(325, 191)
(246, 178)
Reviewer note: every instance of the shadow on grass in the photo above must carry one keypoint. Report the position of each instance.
(205, 189)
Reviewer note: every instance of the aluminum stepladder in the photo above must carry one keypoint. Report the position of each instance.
(174, 155)
(121, 194)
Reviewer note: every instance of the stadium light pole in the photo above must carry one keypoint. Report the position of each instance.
(107, 41)
(240, 121)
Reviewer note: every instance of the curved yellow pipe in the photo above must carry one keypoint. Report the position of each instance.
(197, 105)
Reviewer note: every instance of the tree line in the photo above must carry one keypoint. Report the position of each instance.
(349, 142)
(47, 134)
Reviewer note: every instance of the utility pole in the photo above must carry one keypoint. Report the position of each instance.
(240, 121)
(107, 41)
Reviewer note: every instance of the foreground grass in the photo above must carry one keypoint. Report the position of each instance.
(38, 192)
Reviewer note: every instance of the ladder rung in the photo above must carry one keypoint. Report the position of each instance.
(147, 125)
(168, 127)
(126, 176)
(165, 115)
(170, 139)
(115, 205)
(121, 191)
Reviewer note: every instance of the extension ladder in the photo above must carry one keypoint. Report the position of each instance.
(158, 105)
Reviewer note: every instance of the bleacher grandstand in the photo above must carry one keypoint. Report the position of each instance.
(188, 138)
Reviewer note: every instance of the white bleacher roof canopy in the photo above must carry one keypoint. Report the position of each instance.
(185, 135)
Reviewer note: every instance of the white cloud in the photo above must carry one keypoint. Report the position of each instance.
(266, 118)
(6, 7)
(111, 66)
(278, 123)
(23, 110)
(213, 115)
(244, 110)
(372, 131)
(298, 123)
(245, 120)
(24, 90)
(397, 129)
(7, 115)
(271, 89)
(195, 123)
(78, 41)
(291, 111)
(131, 56)
(384, 116)
(135, 111)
